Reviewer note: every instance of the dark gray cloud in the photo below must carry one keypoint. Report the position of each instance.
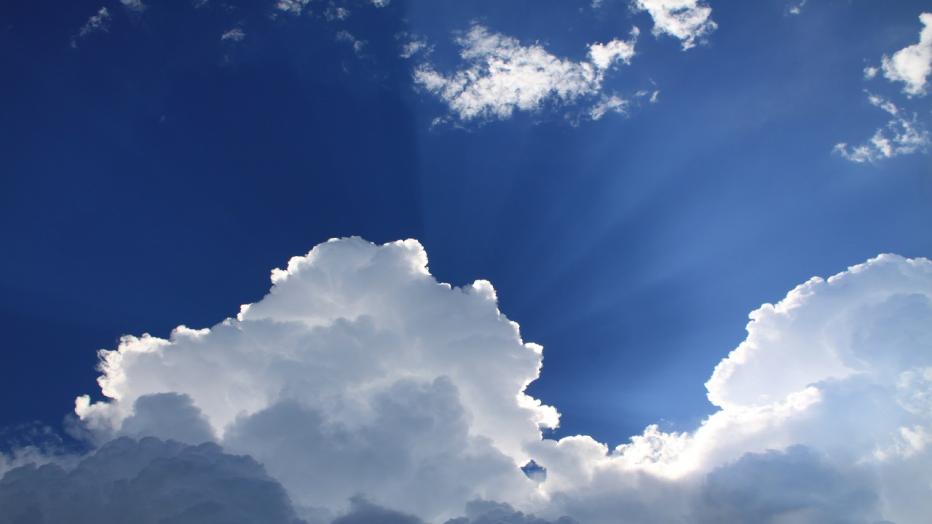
(794, 486)
(477, 512)
(488, 512)
(148, 481)
(169, 416)
(365, 512)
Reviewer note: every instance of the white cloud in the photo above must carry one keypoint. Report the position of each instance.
(413, 47)
(687, 20)
(822, 369)
(604, 56)
(913, 64)
(135, 6)
(336, 13)
(796, 7)
(99, 21)
(233, 35)
(380, 3)
(355, 43)
(294, 7)
(500, 75)
(359, 350)
(610, 104)
(26, 444)
(360, 374)
(870, 72)
(900, 136)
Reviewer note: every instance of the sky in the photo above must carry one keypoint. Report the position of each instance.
(629, 181)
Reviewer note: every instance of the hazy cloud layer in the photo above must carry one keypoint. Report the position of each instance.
(366, 388)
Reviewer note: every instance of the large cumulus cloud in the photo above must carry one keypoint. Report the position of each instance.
(368, 390)
(358, 363)
(839, 368)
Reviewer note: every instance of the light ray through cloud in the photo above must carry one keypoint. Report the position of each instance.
(640, 179)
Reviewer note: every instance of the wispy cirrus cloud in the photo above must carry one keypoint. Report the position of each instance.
(235, 34)
(98, 22)
(902, 135)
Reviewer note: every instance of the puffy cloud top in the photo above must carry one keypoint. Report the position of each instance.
(829, 330)
(913, 64)
(371, 392)
(687, 20)
(357, 360)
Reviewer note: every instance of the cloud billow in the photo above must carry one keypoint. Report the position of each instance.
(689, 21)
(368, 390)
(912, 65)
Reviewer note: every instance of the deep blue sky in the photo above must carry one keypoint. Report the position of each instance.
(153, 175)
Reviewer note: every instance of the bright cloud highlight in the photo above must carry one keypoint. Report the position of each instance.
(501, 75)
(687, 20)
(370, 392)
(913, 64)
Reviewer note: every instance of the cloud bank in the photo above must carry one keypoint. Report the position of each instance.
(500, 75)
(370, 392)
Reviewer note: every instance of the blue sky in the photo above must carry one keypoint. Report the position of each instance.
(158, 161)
